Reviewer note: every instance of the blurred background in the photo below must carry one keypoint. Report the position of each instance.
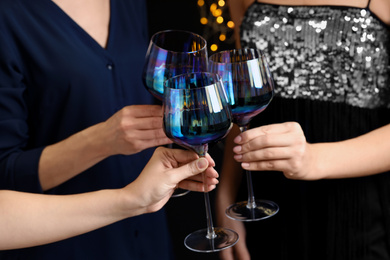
(208, 18)
(211, 20)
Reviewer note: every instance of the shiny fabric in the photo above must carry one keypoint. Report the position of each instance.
(328, 53)
(331, 71)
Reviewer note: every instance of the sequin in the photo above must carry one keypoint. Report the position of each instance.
(328, 53)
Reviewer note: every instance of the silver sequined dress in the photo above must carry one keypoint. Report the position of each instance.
(332, 75)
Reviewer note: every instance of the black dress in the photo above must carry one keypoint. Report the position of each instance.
(331, 70)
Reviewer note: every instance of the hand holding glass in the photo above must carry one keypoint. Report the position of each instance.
(249, 86)
(196, 113)
(171, 53)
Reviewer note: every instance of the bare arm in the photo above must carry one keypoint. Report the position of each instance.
(34, 219)
(237, 10)
(130, 130)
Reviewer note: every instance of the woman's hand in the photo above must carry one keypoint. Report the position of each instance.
(277, 147)
(129, 131)
(135, 128)
(169, 169)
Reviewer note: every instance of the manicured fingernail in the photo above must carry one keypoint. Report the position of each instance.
(237, 149)
(244, 165)
(202, 163)
(237, 139)
(238, 157)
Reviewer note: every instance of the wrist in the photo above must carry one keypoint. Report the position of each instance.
(130, 204)
(320, 161)
(97, 140)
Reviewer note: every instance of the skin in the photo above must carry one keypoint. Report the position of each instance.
(129, 131)
(35, 219)
(283, 147)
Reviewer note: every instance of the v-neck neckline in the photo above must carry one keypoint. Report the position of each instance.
(83, 32)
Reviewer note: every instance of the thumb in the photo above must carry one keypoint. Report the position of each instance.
(201, 164)
(194, 167)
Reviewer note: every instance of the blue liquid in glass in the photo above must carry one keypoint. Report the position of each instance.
(193, 129)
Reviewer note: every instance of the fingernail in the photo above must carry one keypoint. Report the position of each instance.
(245, 165)
(238, 157)
(202, 163)
(237, 149)
(237, 139)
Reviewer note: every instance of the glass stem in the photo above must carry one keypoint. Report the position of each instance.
(251, 196)
(210, 228)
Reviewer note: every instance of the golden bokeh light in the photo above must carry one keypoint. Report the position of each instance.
(213, 7)
(217, 24)
(204, 20)
(219, 19)
(230, 24)
(221, 3)
(217, 12)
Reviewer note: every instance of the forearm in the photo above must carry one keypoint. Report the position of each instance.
(362, 156)
(236, 10)
(64, 160)
(35, 219)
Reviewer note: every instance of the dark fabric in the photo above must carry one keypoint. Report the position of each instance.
(327, 219)
(341, 219)
(55, 80)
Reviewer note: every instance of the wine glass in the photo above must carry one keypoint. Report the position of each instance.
(171, 53)
(196, 113)
(250, 88)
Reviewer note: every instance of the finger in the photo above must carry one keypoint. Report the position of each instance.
(274, 165)
(142, 135)
(139, 111)
(190, 169)
(194, 168)
(144, 123)
(196, 186)
(209, 173)
(265, 130)
(274, 153)
(269, 140)
(180, 156)
(210, 159)
(203, 180)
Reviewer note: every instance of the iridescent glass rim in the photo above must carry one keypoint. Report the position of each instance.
(203, 40)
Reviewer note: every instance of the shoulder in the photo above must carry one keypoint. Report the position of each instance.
(18, 10)
(381, 8)
(10, 6)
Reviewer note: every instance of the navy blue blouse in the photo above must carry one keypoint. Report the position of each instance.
(56, 80)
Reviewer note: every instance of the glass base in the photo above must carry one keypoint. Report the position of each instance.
(179, 192)
(199, 241)
(261, 210)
